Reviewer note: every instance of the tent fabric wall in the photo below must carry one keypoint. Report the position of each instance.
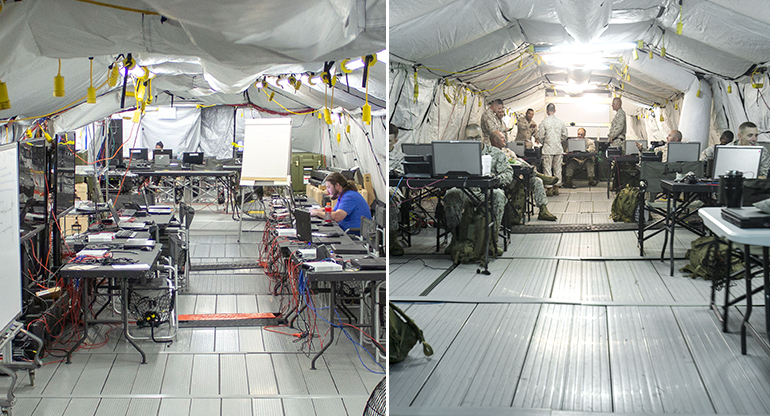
(182, 134)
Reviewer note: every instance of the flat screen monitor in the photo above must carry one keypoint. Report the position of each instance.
(193, 158)
(32, 168)
(631, 148)
(138, 154)
(65, 177)
(303, 224)
(168, 152)
(683, 151)
(576, 145)
(456, 158)
(417, 149)
(741, 158)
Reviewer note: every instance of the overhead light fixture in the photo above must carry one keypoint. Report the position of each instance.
(353, 65)
(589, 47)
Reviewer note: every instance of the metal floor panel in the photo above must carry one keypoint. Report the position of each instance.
(143, 407)
(495, 378)
(649, 282)
(113, 407)
(601, 218)
(331, 407)
(567, 283)
(267, 407)
(344, 374)
(587, 384)
(573, 206)
(122, 375)
(81, 407)
(51, 407)
(289, 374)
(174, 407)
(440, 324)
(731, 388)
(226, 340)
(678, 381)
(204, 378)
(464, 355)
(619, 244)
(240, 407)
(557, 206)
(527, 278)
(250, 339)
(206, 407)
(63, 381)
(579, 244)
(413, 279)
(234, 379)
(464, 280)
(682, 287)
(539, 245)
(623, 285)
(298, 407)
(633, 378)
(95, 374)
(149, 377)
(260, 371)
(318, 381)
(177, 377)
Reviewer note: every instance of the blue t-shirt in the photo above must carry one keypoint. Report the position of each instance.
(355, 205)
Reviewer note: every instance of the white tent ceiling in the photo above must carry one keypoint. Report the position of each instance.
(199, 51)
(720, 39)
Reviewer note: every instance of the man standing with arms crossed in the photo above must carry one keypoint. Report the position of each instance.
(617, 134)
(527, 129)
(492, 120)
(551, 132)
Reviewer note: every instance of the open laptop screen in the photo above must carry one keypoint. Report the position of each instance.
(576, 145)
(304, 227)
(683, 152)
(741, 158)
(456, 158)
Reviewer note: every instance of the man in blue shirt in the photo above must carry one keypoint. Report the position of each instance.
(350, 204)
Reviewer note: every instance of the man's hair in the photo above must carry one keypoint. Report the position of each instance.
(497, 101)
(618, 99)
(677, 134)
(551, 108)
(393, 129)
(496, 135)
(336, 178)
(727, 134)
(584, 130)
(159, 144)
(746, 125)
(529, 109)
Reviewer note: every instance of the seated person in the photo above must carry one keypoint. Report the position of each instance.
(497, 140)
(350, 204)
(576, 163)
(673, 136)
(747, 136)
(456, 201)
(159, 145)
(394, 247)
(726, 138)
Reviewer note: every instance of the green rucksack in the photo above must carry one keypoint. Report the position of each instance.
(625, 207)
(403, 334)
(468, 244)
(708, 257)
(514, 208)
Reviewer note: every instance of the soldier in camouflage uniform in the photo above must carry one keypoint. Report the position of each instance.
(456, 201)
(536, 180)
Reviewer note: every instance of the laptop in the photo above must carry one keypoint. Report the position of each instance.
(367, 263)
(745, 159)
(162, 160)
(576, 145)
(631, 148)
(518, 147)
(746, 217)
(683, 151)
(123, 224)
(456, 158)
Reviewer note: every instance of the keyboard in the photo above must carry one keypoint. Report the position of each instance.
(125, 234)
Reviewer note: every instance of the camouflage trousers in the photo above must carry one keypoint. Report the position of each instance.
(620, 144)
(538, 190)
(394, 211)
(576, 164)
(456, 201)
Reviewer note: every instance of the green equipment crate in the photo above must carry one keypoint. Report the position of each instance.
(301, 166)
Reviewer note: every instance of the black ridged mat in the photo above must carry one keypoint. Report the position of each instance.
(225, 265)
(573, 228)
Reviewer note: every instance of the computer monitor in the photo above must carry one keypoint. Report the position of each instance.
(458, 158)
(168, 152)
(303, 225)
(417, 149)
(518, 147)
(741, 158)
(683, 151)
(138, 153)
(631, 148)
(576, 145)
(194, 158)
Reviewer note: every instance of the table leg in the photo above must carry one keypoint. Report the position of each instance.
(487, 233)
(124, 313)
(749, 306)
(332, 305)
(671, 242)
(726, 306)
(766, 282)
(666, 225)
(83, 311)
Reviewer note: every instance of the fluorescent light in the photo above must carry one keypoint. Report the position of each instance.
(283, 82)
(592, 47)
(355, 64)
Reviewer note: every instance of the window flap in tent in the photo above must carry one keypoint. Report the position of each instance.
(182, 134)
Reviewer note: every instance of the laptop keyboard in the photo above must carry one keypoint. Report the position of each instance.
(125, 234)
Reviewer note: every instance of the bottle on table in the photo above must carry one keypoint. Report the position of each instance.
(328, 213)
